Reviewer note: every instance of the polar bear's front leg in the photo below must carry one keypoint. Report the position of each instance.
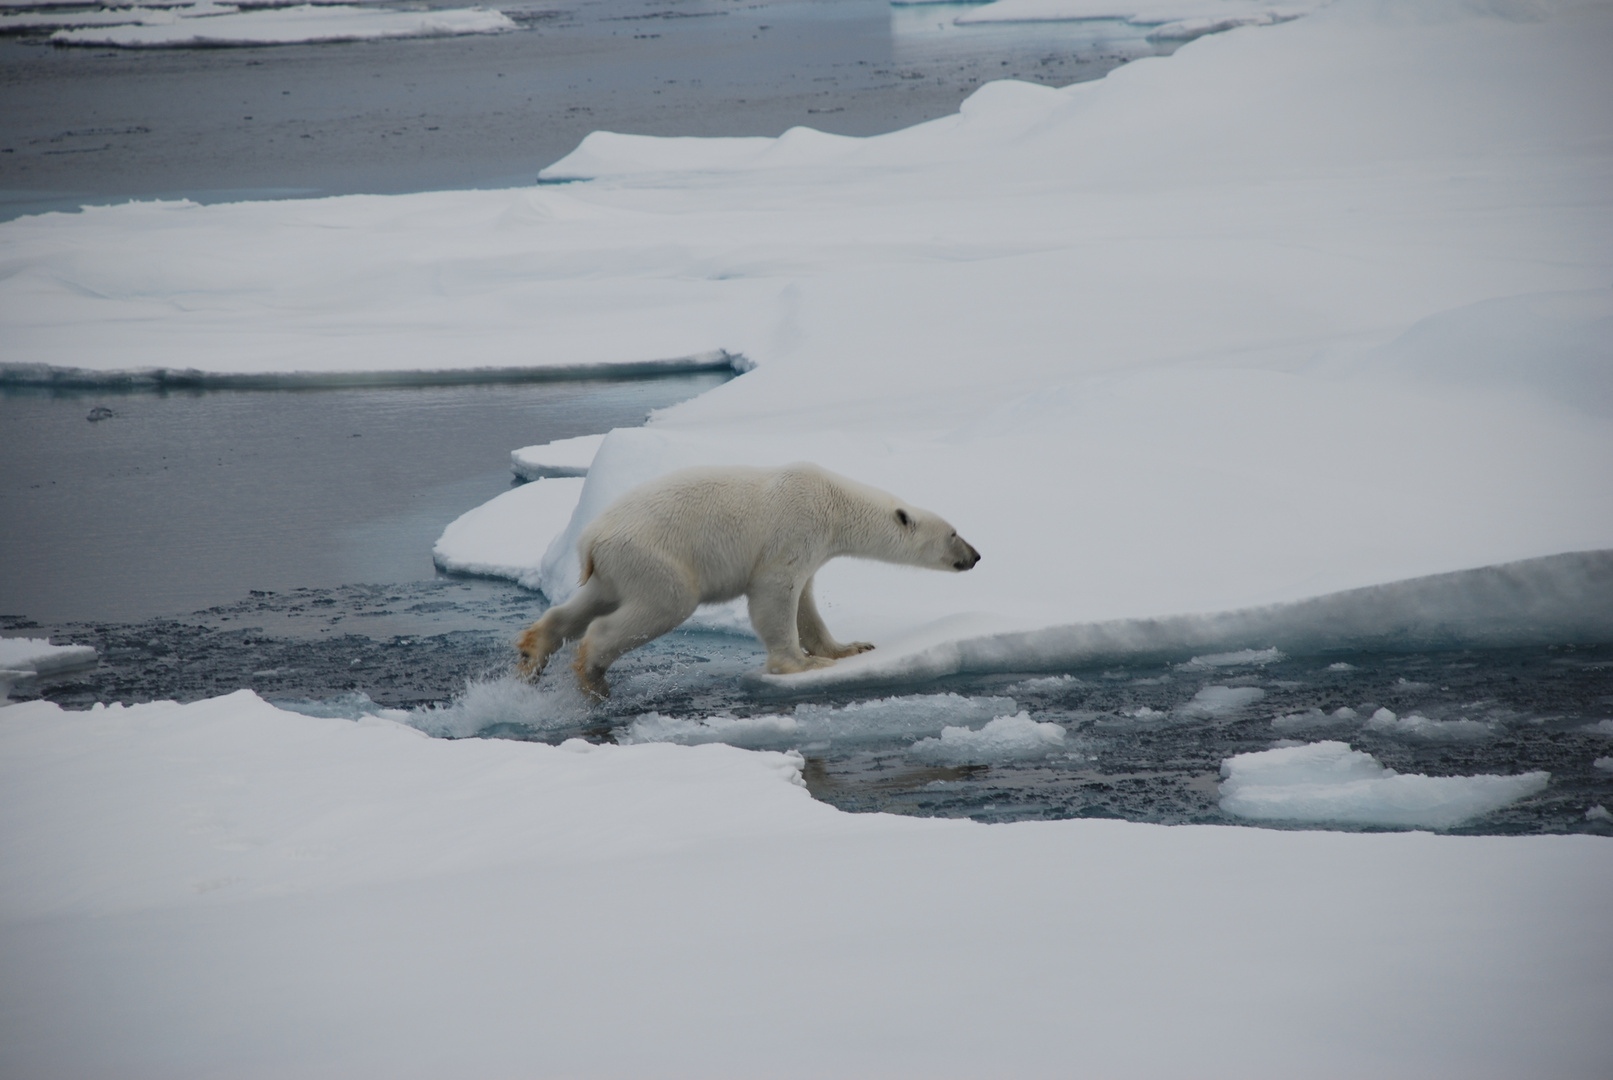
(814, 636)
(774, 598)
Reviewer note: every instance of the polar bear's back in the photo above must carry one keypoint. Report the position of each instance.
(711, 524)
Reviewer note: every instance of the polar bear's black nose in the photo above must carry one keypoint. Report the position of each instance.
(968, 562)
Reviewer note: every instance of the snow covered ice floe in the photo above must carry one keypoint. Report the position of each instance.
(224, 24)
(1184, 361)
(1329, 783)
(562, 457)
(508, 536)
(197, 890)
(1423, 729)
(1174, 20)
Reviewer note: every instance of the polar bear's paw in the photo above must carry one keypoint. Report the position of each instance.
(790, 665)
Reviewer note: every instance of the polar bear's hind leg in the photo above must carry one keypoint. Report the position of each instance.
(560, 624)
(629, 626)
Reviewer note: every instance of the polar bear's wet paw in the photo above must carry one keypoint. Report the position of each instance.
(786, 665)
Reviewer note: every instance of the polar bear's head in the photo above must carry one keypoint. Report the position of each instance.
(927, 540)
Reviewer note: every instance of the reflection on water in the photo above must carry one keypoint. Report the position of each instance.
(124, 506)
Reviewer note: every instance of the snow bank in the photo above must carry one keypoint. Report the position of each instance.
(223, 24)
(224, 888)
(563, 457)
(1003, 739)
(506, 537)
(1327, 782)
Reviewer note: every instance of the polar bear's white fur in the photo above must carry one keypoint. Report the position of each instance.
(712, 534)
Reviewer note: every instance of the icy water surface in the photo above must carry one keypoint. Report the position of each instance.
(98, 125)
(125, 506)
(1142, 741)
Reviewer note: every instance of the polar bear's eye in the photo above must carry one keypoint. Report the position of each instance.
(901, 515)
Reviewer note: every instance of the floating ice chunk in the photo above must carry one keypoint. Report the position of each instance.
(1315, 718)
(1045, 684)
(1424, 729)
(1329, 782)
(37, 656)
(1217, 701)
(1241, 658)
(1601, 727)
(1598, 813)
(507, 536)
(562, 457)
(1341, 666)
(1143, 712)
(750, 732)
(881, 720)
(1005, 738)
(286, 26)
(1603, 763)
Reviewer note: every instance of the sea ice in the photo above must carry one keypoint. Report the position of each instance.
(562, 457)
(22, 659)
(1240, 658)
(1217, 701)
(508, 536)
(1327, 782)
(215, 24)
(1422, 729)
(1603, 763)
(878, 720)
(1002, 739)
(1601, 727)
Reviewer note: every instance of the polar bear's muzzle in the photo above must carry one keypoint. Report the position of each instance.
(966, 558)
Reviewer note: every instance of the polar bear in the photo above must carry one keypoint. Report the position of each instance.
(706, 535)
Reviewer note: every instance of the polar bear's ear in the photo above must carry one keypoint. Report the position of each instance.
(901, 515)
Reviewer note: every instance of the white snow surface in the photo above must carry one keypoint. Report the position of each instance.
(562, 457)
(225, 888)
(507, 536)
(1327, 782)
(223, 24)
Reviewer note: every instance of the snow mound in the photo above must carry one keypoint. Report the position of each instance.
(1327, 782)
(1240, 658)
(507, 536)
(1003, 739)
(214, 24)
(884, 719)
(1423, 729)
(1213, 702)
(562, 457)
